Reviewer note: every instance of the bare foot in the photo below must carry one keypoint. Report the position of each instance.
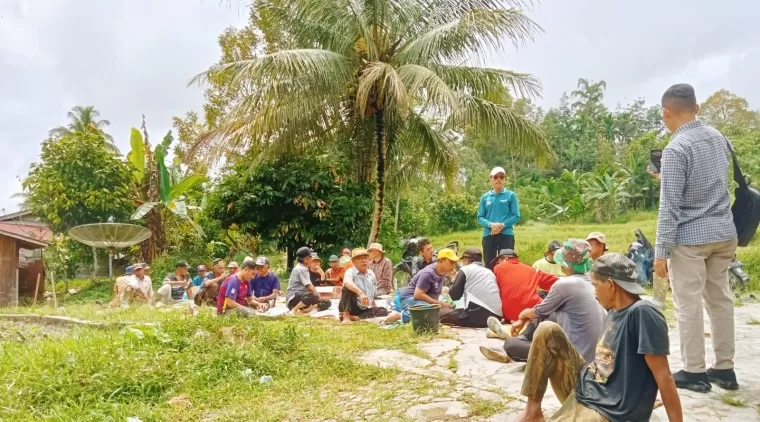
(530, 417)
(657, 403)
(346, 321)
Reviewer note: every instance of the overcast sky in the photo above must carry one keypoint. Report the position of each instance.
(133, 57)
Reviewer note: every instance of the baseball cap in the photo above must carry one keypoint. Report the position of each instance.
(497, 170)
(503, 252)
(473, 255)
(346, 251)
(262, 260)
(303, 252)
(201, 267)
(554, 246)
(597, 236)
(620, 269)
(449, 254)
(141, 265)
(575, 254)
(232, 264)
(181, 264)
(315, 257)
(333, 258)
(248, 259)
(129, 270)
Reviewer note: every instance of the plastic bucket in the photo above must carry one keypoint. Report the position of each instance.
(425, 318)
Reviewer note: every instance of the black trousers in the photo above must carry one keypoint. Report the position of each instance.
(349, 301)
(473, 316)
(518, 347)
(309, 299)
(493, 244)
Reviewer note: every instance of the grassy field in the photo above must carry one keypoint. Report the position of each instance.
(531, 240)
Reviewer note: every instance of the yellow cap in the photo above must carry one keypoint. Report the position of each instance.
(447, 254)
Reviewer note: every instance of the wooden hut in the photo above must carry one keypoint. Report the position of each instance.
(22, 239)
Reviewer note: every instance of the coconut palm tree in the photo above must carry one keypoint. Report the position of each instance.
(382, 70)
(84, 119)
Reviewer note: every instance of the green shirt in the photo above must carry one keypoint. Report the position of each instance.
(547, 267)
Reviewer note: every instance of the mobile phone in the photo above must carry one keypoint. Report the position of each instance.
(655, 160)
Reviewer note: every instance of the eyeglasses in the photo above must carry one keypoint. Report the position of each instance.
(499, 177)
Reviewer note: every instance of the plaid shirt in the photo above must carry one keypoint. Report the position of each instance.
(695, 208)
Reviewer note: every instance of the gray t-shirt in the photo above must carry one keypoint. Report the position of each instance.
(618, 383)
(367, 282)
(572, 304)
(480, 288)
(299, 279)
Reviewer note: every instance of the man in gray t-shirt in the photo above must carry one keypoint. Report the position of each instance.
(570, 303)
(302, 296)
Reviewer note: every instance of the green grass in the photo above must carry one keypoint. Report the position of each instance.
(753, 321)
(87, 374)
(482, 407)
(733, 401)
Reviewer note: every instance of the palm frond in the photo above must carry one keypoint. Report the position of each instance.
(475, 33)
(381, 85)
(428, 87)
(501, 122)
(488, 83)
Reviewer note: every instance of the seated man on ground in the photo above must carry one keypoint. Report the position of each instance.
(232, 267)
(199, 279)
(302, 296)
(140, 287)
(359, 289)
(382, 267)
(425, 287)
(426, 249)
(265, 286)
(316, 274)
(235, 297)
(631, 362)
(210, 288)
(335, 273)
(477, 285)
(570, 303)
(518, 284)
(175, 286)
(598, 242)
(121, 284)
(547, 264)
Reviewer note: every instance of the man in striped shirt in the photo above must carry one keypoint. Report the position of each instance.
(695, 230)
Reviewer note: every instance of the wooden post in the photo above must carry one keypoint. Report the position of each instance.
(36, 289)
(55, 298)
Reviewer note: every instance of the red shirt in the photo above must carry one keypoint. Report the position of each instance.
(518, 285)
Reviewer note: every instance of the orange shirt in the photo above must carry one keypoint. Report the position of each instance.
(518, 285)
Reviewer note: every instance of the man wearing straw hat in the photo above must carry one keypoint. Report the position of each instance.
(359, 288)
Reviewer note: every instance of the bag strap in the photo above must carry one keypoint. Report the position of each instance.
(738, 176)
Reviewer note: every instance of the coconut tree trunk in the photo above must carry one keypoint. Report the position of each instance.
(377, 213)
(398, 205)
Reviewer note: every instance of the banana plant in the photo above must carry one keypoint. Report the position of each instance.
(153, 178)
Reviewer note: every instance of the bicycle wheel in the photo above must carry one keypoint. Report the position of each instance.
(401, 279)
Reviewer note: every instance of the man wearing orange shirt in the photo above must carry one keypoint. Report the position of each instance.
(518, 284)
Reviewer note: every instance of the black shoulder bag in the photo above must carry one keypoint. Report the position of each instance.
(746, 207)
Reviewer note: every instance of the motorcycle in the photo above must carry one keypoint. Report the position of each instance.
(403, 271)
(641, 253)
(736, 275)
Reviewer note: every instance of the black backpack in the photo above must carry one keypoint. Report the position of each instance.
(746, 207)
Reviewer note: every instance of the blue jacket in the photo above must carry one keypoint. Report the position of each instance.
(499, 207)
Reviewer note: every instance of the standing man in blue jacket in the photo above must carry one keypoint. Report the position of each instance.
(498, 212)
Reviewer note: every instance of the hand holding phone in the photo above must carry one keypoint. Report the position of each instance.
(655, 160)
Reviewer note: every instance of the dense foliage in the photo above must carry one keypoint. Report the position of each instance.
(293, 201)
(78, 180)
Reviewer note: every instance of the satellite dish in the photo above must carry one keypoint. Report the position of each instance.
(110, 236)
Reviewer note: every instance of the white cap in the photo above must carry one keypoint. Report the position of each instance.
(497, 170)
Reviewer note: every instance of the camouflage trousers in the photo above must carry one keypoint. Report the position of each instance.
(552, 358)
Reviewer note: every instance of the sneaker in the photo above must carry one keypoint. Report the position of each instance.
(491, 334)
(496, 354)
(495, 325)
(691, 381)
(724, 378)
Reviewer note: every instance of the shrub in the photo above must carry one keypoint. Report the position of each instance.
(456, 212)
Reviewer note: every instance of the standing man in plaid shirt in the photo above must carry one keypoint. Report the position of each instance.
(695, 230)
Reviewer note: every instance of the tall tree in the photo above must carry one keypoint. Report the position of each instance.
(730, 113)
(78, 181)
(84, 120)
(386, 67)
